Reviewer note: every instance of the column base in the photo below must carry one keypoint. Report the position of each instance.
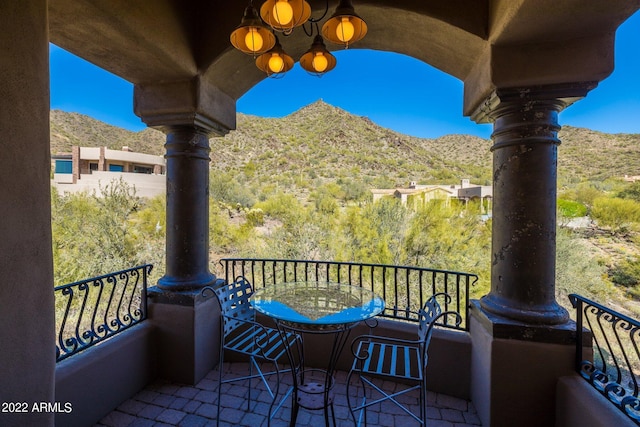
(507, 328)
(549, 314)
(515, 368)
(188, 333)
(170, 283)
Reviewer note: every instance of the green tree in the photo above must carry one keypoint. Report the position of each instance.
(631, 192)
(358, 238)
(451, 237)
(95, 235)
(578, 270)
(391, 218)
(586, 193)
(571, 209)
(225, 187)
(280, 205)
(617, 214)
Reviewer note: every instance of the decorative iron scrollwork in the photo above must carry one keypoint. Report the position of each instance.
(98, 308)
(615, 368)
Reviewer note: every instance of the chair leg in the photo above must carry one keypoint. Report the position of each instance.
(348, 393)
(294, 410)
(423, 402)
(251, 362)
(274, 393)
(358, 403)
(364, 400)
(220, 367)
(333, 415)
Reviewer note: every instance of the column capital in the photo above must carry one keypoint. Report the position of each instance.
(556, 97)
(195, 103)
(186, 141)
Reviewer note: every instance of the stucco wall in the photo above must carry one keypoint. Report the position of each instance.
(27, 355)
(578, 404)
(95, 381)
(146, 185)
(131, 157)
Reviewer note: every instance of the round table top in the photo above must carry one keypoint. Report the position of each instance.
(317, 305)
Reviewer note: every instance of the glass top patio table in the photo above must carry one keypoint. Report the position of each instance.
(314, 305)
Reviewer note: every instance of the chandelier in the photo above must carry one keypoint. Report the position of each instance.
(255, 34)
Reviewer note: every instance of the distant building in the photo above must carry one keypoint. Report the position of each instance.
(416, 195)
(88, 168)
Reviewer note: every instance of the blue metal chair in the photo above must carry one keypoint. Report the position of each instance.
(395, 359)
(240, 333)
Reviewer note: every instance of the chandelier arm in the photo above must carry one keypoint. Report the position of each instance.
(316, 20)
(310, 32)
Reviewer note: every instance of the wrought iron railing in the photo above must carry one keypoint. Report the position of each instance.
(403, 288)
(95, 309)
(615, 367)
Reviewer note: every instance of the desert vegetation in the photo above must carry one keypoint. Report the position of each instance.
(298, 187)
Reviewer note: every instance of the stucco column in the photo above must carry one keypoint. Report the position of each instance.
(525, 157)
(187, 250)
(525, 161)
(27, 337)
(519, 332)
(188, 112)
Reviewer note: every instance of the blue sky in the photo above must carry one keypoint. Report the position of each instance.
(410, 96)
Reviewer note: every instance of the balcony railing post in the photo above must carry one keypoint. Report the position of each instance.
(577, 304)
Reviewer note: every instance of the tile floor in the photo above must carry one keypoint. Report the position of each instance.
(167, 404)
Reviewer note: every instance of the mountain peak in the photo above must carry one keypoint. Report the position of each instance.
(319, 108)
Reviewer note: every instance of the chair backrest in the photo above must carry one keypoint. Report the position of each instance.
(428, 315)
(234, 303)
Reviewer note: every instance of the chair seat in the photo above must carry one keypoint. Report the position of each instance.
(261, 342)
(389, 360)
(403, 360)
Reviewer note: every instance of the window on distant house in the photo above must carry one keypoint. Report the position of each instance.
(116, 168)
(64, 166)
(142, 169)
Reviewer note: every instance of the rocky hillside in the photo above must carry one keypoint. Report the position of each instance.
(69, 129)
(322, 141)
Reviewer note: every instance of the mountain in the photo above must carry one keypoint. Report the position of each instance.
(69, 129)
(588, 154)
(322, 141)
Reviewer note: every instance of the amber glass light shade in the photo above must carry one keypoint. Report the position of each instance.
(285, 15)
(345, 26)
(252, 36)
(318, 60)
(275, 62)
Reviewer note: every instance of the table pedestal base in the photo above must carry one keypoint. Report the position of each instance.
(313, 385)
(313, 388)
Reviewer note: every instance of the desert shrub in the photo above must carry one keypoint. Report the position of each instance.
(571, 209)
(617, 214)
(578, 270)
(224, 187)
(95, 235)
(631, 192)
(280, 205)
